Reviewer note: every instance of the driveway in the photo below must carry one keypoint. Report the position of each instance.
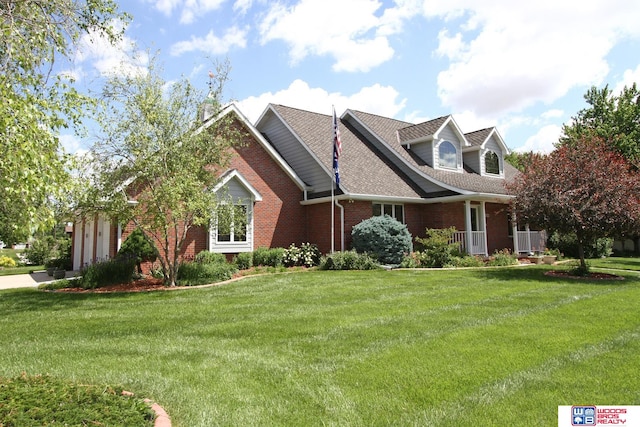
(24, 280)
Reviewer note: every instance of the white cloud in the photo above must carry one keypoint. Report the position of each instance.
(352, 32)
(191, 9)
(505, 58)
(375, 99)
(552, 114)
(543, 141)
(628, 79)
(121, 57)
(211, 43)
(72, 144)
(242, 6)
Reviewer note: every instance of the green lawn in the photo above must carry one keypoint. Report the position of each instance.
(445, 348)
(619, 263)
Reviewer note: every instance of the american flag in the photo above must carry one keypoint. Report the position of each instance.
(337, 147)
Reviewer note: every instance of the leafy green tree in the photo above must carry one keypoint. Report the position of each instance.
(613, 118)
(154, 150)
(585, 188)
(616, 120)
(520, 161)
(37, 103)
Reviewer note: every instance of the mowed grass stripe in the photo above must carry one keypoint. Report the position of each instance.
(349, 348)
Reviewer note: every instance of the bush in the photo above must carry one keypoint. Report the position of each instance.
(41, 250)
(267, 257)
(383, 237)
(196, 273)
(7, 262)
(117, 270)
(139, 247)
(469, 261)
(243, 260)
(307, 255)
(567, 244)
(206, 257)
(437, 248)
(503, 258)
(348, 260)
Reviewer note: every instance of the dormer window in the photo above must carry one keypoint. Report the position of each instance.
(491, 163)
(447, 155)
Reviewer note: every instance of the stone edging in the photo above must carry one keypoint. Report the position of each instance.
(162, 418)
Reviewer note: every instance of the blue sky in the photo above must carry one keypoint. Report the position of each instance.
(521, 66)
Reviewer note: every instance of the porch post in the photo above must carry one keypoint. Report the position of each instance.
(528, 238)
(467, 219)
(514, 226)
(484, 227)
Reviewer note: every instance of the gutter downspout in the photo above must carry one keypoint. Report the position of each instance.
(341, 225)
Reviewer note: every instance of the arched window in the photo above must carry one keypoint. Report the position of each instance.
(448, 155)
(491, 163)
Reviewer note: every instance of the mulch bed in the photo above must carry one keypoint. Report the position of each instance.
(591, 276)
(141, 285)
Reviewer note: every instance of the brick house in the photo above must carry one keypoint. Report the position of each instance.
(427, 175)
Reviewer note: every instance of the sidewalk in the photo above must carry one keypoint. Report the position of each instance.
(24, 280)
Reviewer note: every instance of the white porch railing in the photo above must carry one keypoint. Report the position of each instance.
(478, 242)
(531, 241)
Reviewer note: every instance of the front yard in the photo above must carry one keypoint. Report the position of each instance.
(499, 346)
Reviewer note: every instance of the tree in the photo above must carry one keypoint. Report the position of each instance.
(613, 118)
(36, 103)
(154, 149)
(584, 187)
(520, 161)
(616, 120)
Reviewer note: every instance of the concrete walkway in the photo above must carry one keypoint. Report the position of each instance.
(24, 280)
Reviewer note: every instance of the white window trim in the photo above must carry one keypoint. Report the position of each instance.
(233, 246)
(393, 209)
(436, 151)
(483, 159)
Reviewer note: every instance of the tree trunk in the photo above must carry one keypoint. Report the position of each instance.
(636, 245)
(583, 263)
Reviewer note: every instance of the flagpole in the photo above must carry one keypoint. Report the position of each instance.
(333, 237)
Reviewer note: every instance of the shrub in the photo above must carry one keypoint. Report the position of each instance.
(139, 247)
(5, 261)
(383, 237)
(243, 260)
(577, 269)
(206, 257)
(268, 257)
(348, 260)
(307, 255)
(438, 250)
(41, 250)
(196, 273)
(117, 270)
(469, 261)
(503, 258)
(567, 244)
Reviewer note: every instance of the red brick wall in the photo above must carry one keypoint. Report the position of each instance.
(279, 219)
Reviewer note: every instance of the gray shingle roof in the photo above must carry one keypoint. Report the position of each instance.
(478, 137)
(364, 169)
(467, 180)
(421, 130)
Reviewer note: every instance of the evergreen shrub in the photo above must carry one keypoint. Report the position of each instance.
(383, 237)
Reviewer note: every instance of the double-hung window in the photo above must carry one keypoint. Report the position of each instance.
(395, 211)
